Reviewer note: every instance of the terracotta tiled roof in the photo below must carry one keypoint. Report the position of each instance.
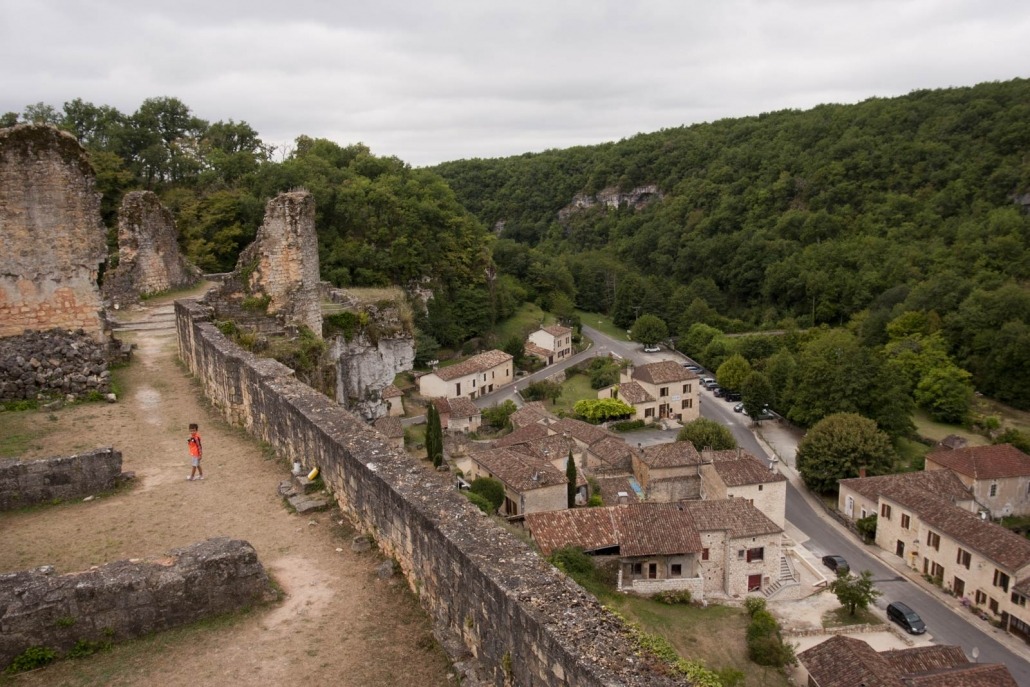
(609, 488)
(522, 435)
(549, 447)
(638, 529)
(922, 659)
(390, 391)
(581, 431)
(389, 426)
(671, 455)
(994, 542)
(615, 453)
(664, 372)
(557, 331)
(463, 407)
(442, 406)
(940, 482)
(539, 351)
(520, 472)
(477, 363)
(529, 414)
(737, 469)
(843, 661)
(975, 675)
(984, 462)
(739, 517)
(633, 394)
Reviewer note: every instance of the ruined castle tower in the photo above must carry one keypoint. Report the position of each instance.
(282, 263)
(149, 260)
(52, 239)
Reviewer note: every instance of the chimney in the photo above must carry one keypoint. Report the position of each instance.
(623, 498)
(861, 471)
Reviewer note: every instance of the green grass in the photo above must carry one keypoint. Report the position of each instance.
(575, 388)
(523, 323)
(937, 431)
(603, 324)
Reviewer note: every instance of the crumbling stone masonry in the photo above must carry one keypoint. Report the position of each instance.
(520, 621)
(26, 483)
(281, 266)
(51, 235)
(128, 599)
(53, 363)
(149, 260)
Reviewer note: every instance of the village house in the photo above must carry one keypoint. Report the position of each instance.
(530, 484)
(737, 474)
(552, 344)
(668, 472)
(934, 532)
(671, 546)
(998, 475)
(843, 661)
(458, 414)
(657, 391)
(391, 428)
(859, 497)
(472, 378)
(394, 399)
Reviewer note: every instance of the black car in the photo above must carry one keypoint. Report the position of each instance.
(906, 617)
(731, 396)
(836, 563)
(717, 390)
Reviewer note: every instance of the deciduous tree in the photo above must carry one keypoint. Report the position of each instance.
(704, 433)
(837, 446)
(855, 591)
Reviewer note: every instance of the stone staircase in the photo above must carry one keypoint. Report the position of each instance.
(788, 578)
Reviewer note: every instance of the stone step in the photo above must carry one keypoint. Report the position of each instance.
(308, 503)
(302, 485)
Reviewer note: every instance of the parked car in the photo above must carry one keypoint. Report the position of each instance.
(654, 348)
(693, 368)
(717, 390)
(739, 408)
(906, 618)
(836, 563)
(708, 382)
(731, 396)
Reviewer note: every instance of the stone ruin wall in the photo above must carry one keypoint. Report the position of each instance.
(30, 482)
(52, 239)
(53, 363)
(149, 259)
(128, 599)
(515, 617)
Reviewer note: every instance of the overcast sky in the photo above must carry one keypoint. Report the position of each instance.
(436, 80)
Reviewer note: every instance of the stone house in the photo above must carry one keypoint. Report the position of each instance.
(668, 472)
(741, 548)
(658, 390)
(394, 399)
(530, 484)
(739, 475)
(391, 428)
(458, 414)
(858, 497)
(998, 475)
(552, 344)
(843, 661)
(671, 546)
(472, 378)
(972, 557)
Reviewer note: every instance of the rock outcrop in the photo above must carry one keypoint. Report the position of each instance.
(611, 198)
(52, 239)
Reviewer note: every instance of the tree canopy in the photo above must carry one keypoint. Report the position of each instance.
(704, 433)
(838, 446)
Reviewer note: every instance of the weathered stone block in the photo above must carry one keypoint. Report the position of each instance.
(62, 477)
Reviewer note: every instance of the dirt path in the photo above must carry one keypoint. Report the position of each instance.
(338, 625)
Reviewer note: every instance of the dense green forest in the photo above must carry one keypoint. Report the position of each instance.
(885, 237)
(842, 215)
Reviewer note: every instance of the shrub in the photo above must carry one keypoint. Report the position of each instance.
(765, 645)
(672, 598)
(753, 604)
(482, 503)
(32, 658)
(490, 489)
(628, 425)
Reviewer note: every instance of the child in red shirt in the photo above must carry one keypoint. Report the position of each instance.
(196, 452)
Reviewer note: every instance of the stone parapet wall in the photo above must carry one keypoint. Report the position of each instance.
(523, 621)
(52, 363)
(127, 599)
(26, 483)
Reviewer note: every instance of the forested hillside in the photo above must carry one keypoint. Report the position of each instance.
(840, 215)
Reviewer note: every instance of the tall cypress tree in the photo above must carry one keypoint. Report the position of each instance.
(434, 436)
(570, 474)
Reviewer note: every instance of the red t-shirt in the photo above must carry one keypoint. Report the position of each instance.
(194, 443)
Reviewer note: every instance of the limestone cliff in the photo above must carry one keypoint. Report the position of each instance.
(611, 198)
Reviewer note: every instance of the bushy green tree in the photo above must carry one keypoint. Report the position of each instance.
(732, 373)
(543, 390)
(490, 489)
(498, 415)
(756, 393)
(601, 410)
(649, 330)
(855, 591)
(946, 393)
(704, 433)
(837, 446)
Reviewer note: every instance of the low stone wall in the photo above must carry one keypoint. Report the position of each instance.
(52, 363)
(26, 483)
(522, 621)
(127, 599)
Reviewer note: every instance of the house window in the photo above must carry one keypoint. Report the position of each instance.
(963, 558)
(1018, 599)
(676, 570)
(740, 553)
(457, 389)
(704, 554)
(993, 605)
(664, 391)
(864, 513)
(648, 412)
(994, 490)
(757, 554)
(637, 569)
(688, 403)
(937, 570)
(980, 598)
(959, 586)
(686, 388)
(885, 511)
(652, 571)
(905, 521)
(1001, 580)
(760, 487)
(933, 539)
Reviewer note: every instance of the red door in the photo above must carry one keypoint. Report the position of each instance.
(754, 583)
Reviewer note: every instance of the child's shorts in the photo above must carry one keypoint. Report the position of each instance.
(196, 461)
